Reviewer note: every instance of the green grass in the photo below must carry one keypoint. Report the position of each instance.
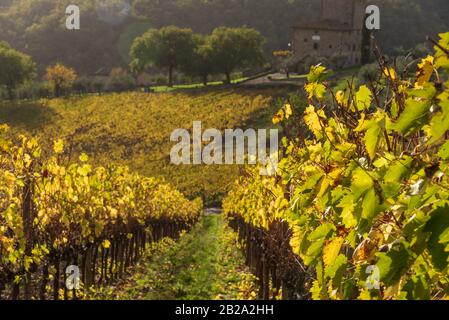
(165, 88)
(298, 76)
(204, 264)
(134, 129)
(283, 77)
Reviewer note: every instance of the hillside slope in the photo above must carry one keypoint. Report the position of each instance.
(134, 129)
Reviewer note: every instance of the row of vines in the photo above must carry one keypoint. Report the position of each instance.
(363, 189)
(58, 215)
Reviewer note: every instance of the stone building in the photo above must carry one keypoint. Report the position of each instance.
(337, 33)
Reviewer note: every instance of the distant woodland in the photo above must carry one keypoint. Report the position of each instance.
(108, 27)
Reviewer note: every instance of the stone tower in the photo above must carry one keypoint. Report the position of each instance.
(348, 12)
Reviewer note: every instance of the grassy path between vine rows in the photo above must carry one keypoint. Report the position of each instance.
(203, 264)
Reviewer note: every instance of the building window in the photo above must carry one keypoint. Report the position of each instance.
(330, 46)
(316, 46)
(353, 47)
(305, 40)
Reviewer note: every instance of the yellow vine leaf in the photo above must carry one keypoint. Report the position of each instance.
(363, 98)
(332, 250)
(390, 73)
(284, 114)
(58, 146)
(316, 72)
(425, 70)
(288, 111)
(365, 251)
(340, 97)
(278, 118)
(442, 59)
(106, 244)
(315, 89)
(312, 120)
(83, 157)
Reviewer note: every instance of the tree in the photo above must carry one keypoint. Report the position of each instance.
(201, 64)
(236, 48)
(38, 26)
(119, 80)
(170, 47)
(60, 77)
(15, 68)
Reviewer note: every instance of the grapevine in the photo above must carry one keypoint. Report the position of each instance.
(363, 186)
(96, 218)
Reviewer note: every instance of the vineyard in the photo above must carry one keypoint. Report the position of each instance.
(55, 215)
(359, 208)
(133, 129)
(225, 158)
(203, 264)
(70, 197)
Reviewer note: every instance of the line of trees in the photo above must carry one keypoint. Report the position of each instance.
(17, 69)
(223, 51)
(19, 80)
(37, 27)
